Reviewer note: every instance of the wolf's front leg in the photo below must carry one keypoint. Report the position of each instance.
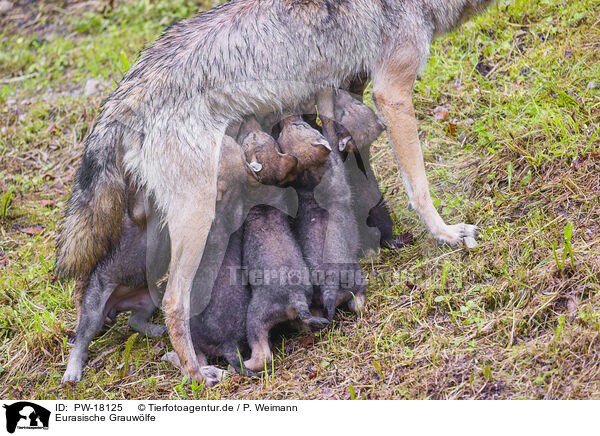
(392, 92)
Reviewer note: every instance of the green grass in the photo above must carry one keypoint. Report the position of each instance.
(518, 154)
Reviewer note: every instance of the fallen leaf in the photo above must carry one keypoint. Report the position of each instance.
(405, 238)
(452, 129)
(307, 341)
(440, 113)
(32, 230)
(48, 203)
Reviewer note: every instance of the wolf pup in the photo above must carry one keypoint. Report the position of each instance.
(279, 280)
(277, 168)
(335, 282)
(370, 207)
(118, 284)
(163, 126)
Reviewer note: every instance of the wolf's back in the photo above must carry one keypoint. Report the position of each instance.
(94, 214)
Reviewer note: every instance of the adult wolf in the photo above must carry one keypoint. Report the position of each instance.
(161, 129)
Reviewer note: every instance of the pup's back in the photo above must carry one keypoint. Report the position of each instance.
(220, 330)
(278, 276)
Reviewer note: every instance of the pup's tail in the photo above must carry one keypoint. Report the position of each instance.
(94, 215)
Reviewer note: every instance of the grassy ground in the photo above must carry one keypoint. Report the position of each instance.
(509, 115)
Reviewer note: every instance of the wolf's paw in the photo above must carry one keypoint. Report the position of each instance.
(456, 233)
(210, 375)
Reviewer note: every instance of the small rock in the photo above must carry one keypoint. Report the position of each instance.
(92, 86)
(5, 6)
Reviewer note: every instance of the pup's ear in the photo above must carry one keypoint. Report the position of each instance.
(322, 142)
(253, 170)
(347, 145)
(255, 166)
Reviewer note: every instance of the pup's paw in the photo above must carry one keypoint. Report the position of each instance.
(317, 323)
(154, 330)
(258, 363)
(71, 376)
(172, 358)
(357, 303)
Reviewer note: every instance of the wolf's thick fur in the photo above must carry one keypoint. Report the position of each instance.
(163, 126)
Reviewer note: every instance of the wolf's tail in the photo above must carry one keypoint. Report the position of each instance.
(94, 215)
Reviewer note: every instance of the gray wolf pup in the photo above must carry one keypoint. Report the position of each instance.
(118, 284)
(163, 126)
(369, 205)
(278, 277)
(335, 282)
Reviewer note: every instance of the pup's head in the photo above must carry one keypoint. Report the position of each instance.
(359, 120)
(299, 139)
(234, 171)
(267, 162)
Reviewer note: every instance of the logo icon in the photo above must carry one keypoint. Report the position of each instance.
(26, 415)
